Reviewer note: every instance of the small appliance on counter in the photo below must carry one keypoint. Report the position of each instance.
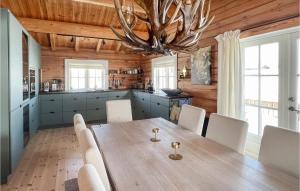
(46, 86)
(56, 85)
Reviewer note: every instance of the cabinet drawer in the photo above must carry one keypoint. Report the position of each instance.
(159, 101)
(119, 95)
(68, 116)
(51, 105)
(96, 115)
(74, 102)
(158, 110)
(51, 97)
(97, 95)
(52, 118)
(97, 103)
(144, 96)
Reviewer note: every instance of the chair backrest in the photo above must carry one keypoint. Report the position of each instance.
(227, 131)
(192, 118)
(79, 124)
(86, 141)
(280, 148)
(89, 180)
(93, 156)
(118, 111)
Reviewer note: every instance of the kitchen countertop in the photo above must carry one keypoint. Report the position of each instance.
(160, 94)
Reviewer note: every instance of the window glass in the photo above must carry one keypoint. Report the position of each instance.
(251, 90)
(269, 58)
(251, 60)
(269, 91)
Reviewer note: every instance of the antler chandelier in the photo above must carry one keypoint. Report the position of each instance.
(190, 19)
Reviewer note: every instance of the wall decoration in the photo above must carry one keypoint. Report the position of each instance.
(201, 66)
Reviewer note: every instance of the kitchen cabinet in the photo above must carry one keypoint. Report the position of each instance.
(33, 116)
(16, 136)
(15, 129)
(15, 62)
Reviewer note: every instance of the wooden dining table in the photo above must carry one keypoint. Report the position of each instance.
(134, 163)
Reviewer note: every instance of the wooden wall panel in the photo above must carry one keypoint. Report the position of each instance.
(252, 17)
(53, 62)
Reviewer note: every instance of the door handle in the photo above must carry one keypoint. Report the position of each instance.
(294, 109)
(292, 99)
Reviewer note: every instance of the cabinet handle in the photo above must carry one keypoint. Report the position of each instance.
(51, 100)
(52, 112)
(20, 105)
(158, 103)
(74, 98)
(143, 99)
(97, 108)
(117, 96)
(75, 111)
(97, 97)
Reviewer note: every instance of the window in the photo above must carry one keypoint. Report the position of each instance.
(164, 72)
(86, 74)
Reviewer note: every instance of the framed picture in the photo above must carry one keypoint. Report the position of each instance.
(200, 66)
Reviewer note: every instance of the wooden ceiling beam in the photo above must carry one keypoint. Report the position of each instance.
(52, 39)
(99, 44)
(77, 42)
(110, 4)
(72, 29)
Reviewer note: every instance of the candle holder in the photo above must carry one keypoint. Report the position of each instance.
(155, 131)
(175, 156)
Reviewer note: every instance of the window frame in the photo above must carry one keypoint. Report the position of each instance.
(165, 60)
(87, 64)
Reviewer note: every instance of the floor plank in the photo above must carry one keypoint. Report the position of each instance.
(51, 157)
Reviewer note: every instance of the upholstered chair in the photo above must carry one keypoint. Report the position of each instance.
(280, 148)
(227, 131)
(89, 180)
(118, 111)
(192, 118)
(79, 124)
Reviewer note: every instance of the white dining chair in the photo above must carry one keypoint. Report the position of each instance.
(86, 141)
(79, 124)
(93, 156)
(280, 148)
(192, 118)
(227, 131)
(118, 111)
(89, 180)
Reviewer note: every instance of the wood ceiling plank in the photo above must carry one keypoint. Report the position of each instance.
(73, 29)
(52, 38)
(110, 4)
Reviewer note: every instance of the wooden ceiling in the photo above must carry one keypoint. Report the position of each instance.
(78, 24)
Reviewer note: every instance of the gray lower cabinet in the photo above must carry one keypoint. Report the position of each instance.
(16, 139)
(33, 116)
(59, 109)
(51, 110)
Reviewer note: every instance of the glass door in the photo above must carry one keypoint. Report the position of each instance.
(294, 81)
(261, 60)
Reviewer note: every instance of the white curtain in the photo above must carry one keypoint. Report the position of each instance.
(229, 74)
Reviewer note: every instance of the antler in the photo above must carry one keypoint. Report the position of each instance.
(191, 19)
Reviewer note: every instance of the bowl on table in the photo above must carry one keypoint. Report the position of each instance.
(171, 92)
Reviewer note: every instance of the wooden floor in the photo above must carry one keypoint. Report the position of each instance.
(51, 157)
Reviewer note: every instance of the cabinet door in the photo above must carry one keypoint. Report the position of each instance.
(15, 63)
(16, 136)
(74, 102)
(33, 116)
